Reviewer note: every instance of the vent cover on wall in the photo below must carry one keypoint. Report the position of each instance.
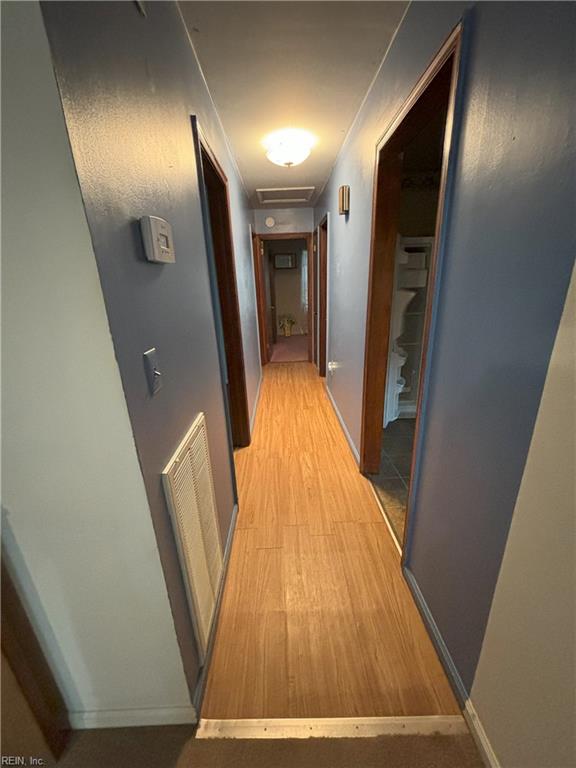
(285, 195)
(189, 489)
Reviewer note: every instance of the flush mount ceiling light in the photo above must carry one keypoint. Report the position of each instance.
(289, 146)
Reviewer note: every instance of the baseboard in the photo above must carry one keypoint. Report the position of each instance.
(349, 440)
(331, 727)
(201, 685)
(470, 715)
(480, 737)
(437, 639)
(227, 548)
(132, 718)
(256, 402)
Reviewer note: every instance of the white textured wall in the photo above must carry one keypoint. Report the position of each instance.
(288, 220)
(524, 688)
(77, 528)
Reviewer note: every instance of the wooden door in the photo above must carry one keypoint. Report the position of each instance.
(220, 227)
(322, 295)
(31, 679)
(314, 296)
(273, 313)
(269, 309)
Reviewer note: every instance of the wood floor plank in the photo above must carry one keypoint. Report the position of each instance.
(316, 618)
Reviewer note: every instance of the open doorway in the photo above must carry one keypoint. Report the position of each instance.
(409, 195)
(219, 225)
(284, 294)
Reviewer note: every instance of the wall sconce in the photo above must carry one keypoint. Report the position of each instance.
(344, 200)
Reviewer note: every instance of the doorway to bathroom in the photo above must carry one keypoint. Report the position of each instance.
(412, 162)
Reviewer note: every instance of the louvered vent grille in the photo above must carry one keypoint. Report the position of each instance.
(189, 489)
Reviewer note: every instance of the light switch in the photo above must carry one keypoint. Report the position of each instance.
(153, 372)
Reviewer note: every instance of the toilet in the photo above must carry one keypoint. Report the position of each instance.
(397, 356)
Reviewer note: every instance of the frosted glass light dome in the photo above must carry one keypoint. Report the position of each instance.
(288, 146)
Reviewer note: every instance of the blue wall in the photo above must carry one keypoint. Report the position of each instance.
(510, 245)
(129, 85)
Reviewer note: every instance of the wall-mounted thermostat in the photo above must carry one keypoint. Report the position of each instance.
(158, 242)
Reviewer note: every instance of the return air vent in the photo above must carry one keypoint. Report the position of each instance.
(189, 489)
(285, 195)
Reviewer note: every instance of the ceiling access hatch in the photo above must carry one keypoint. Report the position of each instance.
(285, 195)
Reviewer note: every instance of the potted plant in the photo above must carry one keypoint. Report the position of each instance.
(286, 322)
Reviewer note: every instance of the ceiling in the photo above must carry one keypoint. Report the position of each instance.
(271, 65)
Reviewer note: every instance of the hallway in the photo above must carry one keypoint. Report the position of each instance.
(290, 349)
(316, 618)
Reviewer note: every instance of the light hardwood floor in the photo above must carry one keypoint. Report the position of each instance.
(316, 618)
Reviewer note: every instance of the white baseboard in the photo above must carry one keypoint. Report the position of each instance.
(331, 727)
(480, 736)
(131, 718)
(436, 637)
(347, 435)
(471, 716)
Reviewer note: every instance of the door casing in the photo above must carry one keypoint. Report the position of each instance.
(440, 80)
(219, 234)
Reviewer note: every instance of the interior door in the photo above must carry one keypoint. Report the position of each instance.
(34, 714)
(269, 309)
(322, 294)
(273, 314)
(314, 302)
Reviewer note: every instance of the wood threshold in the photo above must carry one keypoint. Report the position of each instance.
(331, 727)
(388, 524)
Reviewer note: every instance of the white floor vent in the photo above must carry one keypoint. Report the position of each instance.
(189, 489)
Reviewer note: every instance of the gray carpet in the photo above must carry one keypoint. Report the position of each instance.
(174, 747)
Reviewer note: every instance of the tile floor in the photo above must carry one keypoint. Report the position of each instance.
(392, 481)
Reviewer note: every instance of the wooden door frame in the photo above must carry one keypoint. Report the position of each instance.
(258, 253)
(228, 307)
(382, 253)
(26, 659)
(322, 295)
(313, 295)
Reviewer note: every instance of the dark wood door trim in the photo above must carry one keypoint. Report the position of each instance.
(439, 81)
(222, 253)
(257, 248)
(24, 654)
(313, 299)
(322, 294)
(380, 291)
(258, 252)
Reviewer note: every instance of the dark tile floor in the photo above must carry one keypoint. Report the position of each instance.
(392, 481)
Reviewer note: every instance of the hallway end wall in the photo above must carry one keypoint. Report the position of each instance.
(509, 252)
(129, 84)
(286, 220)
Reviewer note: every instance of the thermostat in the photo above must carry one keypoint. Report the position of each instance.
(158, 242)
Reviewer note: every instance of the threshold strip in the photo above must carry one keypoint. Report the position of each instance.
(331, 727)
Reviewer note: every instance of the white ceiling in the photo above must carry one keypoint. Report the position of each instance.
(274, 64)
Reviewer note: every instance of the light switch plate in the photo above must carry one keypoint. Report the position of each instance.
(153, 373)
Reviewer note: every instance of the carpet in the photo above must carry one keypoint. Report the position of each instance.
(290, 349)
(173, 747)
